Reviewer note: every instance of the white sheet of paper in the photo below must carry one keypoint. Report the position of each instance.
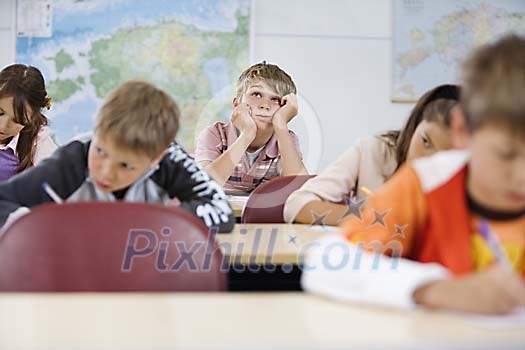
(237, 198)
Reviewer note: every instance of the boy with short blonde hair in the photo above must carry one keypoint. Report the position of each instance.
(132, 156)
(274, 76)
(256, 145)
(122, 118)
(461, 213)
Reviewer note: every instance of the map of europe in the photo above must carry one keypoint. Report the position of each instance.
(193, 49)
(432, 38)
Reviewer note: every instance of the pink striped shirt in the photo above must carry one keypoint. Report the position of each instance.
(215, 140)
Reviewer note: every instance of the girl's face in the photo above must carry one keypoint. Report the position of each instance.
(8, 126)
(429, 138)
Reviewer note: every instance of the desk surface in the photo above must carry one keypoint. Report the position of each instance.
(270, 243)
(237, 203)
(227, 321)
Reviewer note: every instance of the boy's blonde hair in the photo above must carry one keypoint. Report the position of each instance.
(494, 85)
(139, 117)
(271, 74)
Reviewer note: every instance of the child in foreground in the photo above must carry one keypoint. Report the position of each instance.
(454, 223)
(131, 157)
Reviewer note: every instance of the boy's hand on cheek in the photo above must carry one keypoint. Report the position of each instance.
(286, 112)
(493, 291)
(242, 119)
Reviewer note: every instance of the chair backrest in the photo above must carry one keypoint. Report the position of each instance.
(103, 246)
(266, 202)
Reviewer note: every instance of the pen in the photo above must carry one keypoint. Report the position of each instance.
(367, 191)
(51, 193)
(493, 243)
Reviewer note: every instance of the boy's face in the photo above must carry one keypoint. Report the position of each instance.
(263, 101)
(113, 168)
(8, 126)
(497, 168)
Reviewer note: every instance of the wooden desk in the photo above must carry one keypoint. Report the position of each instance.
(269, 243)
(228, 321)
(265, 257)
(237, 203)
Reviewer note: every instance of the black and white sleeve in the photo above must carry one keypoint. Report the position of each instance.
(181, 176)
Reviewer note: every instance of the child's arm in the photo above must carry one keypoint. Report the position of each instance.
(291, 159)
(64, 171)
(328, 191)
(493, 291)
(341, 270)
(322, 193)
(334, 212)
(222, 167)
(182, 177)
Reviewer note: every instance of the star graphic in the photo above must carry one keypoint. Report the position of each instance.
(291, 239)
(399, 231)
(353, 208)
(379, 218)
(319, 219)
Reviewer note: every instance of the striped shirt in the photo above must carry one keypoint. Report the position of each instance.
(215, 140)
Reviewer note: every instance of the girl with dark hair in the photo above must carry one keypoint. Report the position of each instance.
(25, 138)
(372, 161)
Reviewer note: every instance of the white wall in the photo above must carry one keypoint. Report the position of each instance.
(337, 51)
(7, 32)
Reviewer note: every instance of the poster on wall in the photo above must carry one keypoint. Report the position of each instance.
(432, 38)
(194, 50)
(33, 18)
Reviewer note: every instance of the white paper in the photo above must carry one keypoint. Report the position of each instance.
(237, 198)
(34, 18)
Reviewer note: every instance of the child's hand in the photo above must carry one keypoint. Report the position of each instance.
(242, 119)
(494, 291)
(286, 112)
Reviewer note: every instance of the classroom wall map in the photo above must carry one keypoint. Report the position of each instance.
(431, 38)
(192, 49)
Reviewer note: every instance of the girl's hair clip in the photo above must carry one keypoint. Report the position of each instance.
(47, 103)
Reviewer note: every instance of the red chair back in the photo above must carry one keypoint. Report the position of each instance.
(266, 202)
(102, 246)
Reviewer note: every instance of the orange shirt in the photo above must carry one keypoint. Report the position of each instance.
(422, 214)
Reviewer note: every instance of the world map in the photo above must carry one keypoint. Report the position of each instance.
(193, 49)
(432, 38)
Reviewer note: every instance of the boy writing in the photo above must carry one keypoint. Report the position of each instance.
(446, 211)
(131, 157)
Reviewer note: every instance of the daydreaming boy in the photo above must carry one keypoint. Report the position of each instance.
(256, 145)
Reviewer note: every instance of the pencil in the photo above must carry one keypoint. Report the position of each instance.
(367, 191)
(51, 193)
(493, 243)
